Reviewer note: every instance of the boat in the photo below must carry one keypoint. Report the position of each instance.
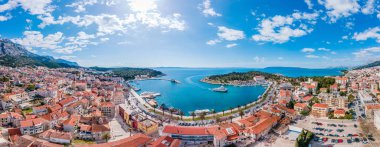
(175, 81)
(149, 95)
(220, 89)
(136, 88)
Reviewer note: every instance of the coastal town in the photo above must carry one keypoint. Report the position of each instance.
(83, 107)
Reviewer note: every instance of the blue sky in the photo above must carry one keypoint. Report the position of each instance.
(197, 33)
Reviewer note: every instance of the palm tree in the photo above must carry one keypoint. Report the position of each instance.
(193, 115)
(202, 116)
(230, 117)
(238, 107)
(163, 111)
(231, 109)
(171, 113)
(181, 114)
(241, 113)
(217, 119)
(106, 136)
(213, 112)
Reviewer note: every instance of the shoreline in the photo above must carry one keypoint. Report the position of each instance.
(206, 80)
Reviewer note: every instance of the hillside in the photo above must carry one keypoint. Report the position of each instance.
(15, 55)
(373, 64)
(129, 73)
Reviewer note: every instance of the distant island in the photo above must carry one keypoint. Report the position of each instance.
(242, 78)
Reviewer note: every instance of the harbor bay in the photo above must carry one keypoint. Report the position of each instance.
(191, 94)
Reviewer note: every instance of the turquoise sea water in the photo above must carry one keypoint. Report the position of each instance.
(191, 94)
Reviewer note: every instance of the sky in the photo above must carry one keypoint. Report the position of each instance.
(197, 33)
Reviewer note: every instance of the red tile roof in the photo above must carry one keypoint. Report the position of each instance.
(373, 106)
(187, 130)
(320, 105)
(302, 105)
(339, 111)
(136, 140)
(163, 141)
(307, 98)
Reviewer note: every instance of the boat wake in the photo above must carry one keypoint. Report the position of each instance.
(191, 82)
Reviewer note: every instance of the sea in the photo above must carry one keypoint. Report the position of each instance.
(191, 94)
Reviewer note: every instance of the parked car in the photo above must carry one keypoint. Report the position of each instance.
(365, 141)
(349, 141)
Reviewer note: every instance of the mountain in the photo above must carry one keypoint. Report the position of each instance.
(373, 64)
(67, 62)
(15, 55)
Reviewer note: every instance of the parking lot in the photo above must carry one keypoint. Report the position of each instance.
(333, 132)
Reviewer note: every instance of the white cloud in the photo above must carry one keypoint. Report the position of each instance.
(349, 25)
(213, 42)
(144, 13)
(345, 37)
(366, 53)
(142, 5)
(34, 39)
(312, 56)
(280, 29)
(55, 42)
(309, 4)
(340, 8)
(11, 4)
(82, 40)
(280, 58)
(324, 49)
(207, 10)
(40, 8)
(81, 5)
(371, 33)
(227, 34)
(231, 45)
(36, 7)
(5, 18)
(230, 34)
(104, 39)
(369, 7)
(258, 59)
(308, 50)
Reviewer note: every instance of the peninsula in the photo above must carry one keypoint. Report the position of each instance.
(250, 78)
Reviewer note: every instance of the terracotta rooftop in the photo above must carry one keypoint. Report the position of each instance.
(320, 105)
(188, 130)
(339, 111)
(302, 105)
